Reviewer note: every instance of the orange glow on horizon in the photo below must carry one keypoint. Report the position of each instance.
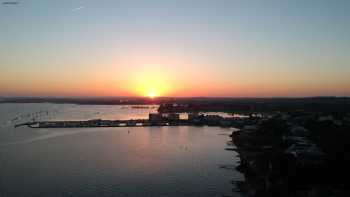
(152, 94)
(150, 84)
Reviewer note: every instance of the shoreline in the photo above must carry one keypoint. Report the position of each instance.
(287, 156)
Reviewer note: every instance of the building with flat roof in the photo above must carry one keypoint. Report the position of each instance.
(173, 117)
(155, 117)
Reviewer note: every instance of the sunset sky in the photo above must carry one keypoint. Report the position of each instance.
(228, 48)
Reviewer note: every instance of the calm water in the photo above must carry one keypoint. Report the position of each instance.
(148, 161)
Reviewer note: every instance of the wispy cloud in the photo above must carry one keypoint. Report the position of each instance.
(10, 2)
(78, 8)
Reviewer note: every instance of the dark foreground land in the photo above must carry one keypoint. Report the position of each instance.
(304, 154)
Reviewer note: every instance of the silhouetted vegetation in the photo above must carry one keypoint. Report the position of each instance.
(296, 154)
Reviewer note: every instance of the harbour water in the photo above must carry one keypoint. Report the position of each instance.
(143, 161)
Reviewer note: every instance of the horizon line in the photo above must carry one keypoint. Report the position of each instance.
(169, 97)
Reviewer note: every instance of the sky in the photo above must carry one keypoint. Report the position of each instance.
(182, 48)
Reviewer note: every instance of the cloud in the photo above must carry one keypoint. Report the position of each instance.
(78, 8)
(10, 2)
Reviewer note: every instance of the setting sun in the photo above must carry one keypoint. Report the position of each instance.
(150, 84)
(152, 94)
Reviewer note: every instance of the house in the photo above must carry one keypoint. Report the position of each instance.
(306, 154)
(296, 134)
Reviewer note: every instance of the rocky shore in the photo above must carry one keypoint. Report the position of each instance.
(295, 154)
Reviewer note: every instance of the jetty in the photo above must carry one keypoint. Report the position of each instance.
(155, 119)
(29, 124)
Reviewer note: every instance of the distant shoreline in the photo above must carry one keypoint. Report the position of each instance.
(314, 104)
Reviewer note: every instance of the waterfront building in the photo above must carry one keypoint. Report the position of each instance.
(155, 117)
(193, 116)
(173, 117)
(213, 119)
